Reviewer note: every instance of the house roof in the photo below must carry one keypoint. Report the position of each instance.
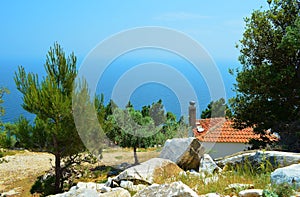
(221, 130)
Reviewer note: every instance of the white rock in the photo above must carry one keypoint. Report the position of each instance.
(79, 192)
(208, 165)
(116, 192)
(131, 187)
(166, 190)
(89, 185)
(185, 152)
(105, 189)
(251, 193)
(10, 193)
(276, 158)
(146, 170)
(289, 174)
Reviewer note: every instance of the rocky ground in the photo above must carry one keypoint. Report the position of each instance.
(21, 166)
(18, 172)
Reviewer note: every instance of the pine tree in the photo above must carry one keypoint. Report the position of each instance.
(50, 99)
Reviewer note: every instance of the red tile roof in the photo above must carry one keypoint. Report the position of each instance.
(221, 130)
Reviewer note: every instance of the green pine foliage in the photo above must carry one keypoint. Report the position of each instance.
(215, 109)
(268, 83)
(50, 99)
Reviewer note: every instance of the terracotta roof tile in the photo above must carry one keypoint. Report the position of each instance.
(221, 130)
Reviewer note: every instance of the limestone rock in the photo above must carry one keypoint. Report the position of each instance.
(208, 165)
(185, 152)
(89, 185)
(276, 158)
(10, 193)
(289, 174)
(147, 172)
(129, 185)
(93, 190)
(79, 192)
(167, 190)
(116, 192)
(251, 193)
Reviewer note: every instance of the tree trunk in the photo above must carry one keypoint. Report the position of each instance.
(135, 156)
(57, 166)
(57, 173)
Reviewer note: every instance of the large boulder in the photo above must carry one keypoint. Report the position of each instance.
(149, 171)
(207, 165)
(167, 190)
(289, 174)
(254, 158)
(185, 152)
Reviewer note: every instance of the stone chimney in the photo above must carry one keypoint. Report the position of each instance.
(192, 115)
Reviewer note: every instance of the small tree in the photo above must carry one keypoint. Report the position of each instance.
(51, 100)
(131, 129)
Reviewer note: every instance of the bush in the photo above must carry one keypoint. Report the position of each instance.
(44, 185)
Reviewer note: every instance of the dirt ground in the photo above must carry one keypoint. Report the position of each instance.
(20, 171)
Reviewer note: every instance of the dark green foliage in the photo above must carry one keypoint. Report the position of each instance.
(31, 136)
(2, 92)
(51, 100)
(5, 140)
(268, 93)
(24, 133)
(44, 185)
(139, 129)
(7, 135)
(217, 108)
(131, 129)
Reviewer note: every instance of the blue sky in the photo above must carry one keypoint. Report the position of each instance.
(29, 28)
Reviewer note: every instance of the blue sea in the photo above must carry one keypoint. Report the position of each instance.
(142, 80)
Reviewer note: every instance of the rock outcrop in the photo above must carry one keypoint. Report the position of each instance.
(185, 152)
(289, 174)
(207, 165)
(276, 158)
(167, 190)
(148, 171)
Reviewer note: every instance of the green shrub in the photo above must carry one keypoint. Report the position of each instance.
(44, 185)
(283, 190)
(268, 193)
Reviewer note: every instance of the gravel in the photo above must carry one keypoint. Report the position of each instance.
(23, 165)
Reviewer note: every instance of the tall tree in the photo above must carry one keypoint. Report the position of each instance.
(157, 113)
(50, 99)
(268, 84)
(217, 108)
